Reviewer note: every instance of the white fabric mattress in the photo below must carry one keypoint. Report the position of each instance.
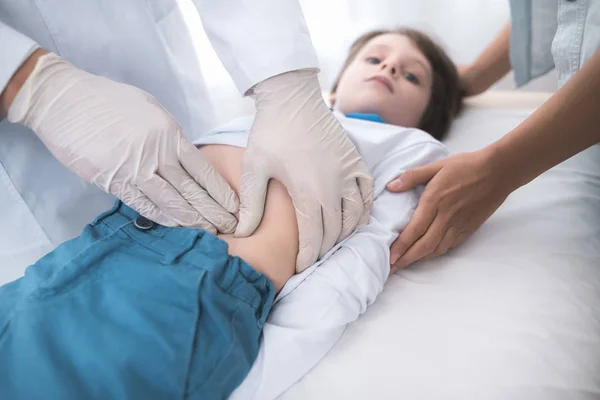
(512, 314)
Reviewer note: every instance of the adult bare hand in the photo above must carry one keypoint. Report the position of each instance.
(463, 191)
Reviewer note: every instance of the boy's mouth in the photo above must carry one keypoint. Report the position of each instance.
(383, 80)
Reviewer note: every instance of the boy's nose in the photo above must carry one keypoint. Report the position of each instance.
(392, 69)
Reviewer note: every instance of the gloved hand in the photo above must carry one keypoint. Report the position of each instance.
(296, 140)
(120, 139)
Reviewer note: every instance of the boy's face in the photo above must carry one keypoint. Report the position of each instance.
(389, 77)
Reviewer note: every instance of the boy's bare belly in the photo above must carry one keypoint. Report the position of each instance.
(273, 247)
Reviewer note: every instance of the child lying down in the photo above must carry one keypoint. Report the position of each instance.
(134, 310)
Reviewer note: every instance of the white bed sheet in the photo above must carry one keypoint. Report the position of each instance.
(512, 314)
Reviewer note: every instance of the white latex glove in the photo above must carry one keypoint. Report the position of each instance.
(296, 140)
(120, 139)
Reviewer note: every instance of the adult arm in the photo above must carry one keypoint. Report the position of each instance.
(464, 190)
(489, 67)
(112, 135)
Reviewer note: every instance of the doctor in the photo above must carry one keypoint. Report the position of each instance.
(464, 190)
(76, 132)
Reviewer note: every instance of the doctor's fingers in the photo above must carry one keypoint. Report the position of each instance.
(253, 194)
(200, 201)
(425, 245)
(310, 231)
(366, 185)
(135, 199)
(332, 223)
(171, 203)
(193, 188)
(352, 212)
(203, 172)
(356, 206)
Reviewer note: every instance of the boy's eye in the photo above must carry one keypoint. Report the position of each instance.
(373, 60)
(411, 77)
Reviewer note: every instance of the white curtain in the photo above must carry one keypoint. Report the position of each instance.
(462, 27)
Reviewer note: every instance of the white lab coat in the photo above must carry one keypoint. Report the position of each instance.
(141, 42)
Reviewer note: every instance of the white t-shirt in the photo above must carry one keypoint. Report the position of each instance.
(314, 307)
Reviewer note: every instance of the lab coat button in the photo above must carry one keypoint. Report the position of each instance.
(143, 224)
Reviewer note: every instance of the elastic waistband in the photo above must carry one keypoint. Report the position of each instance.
(198, 248)
(172, 243)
